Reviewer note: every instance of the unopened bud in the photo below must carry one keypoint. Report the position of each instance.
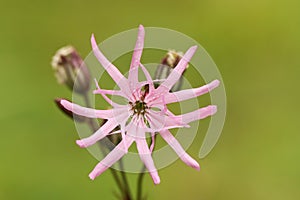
(71, 70)
(172, 58)
(168, 63)
(70, 114)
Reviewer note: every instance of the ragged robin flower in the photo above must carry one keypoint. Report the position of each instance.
(145, 111)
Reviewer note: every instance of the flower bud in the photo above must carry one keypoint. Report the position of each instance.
(172, 58)
(168, 63)
(71, 70)
(70, 114)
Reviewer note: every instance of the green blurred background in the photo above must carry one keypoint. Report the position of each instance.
(255, 45)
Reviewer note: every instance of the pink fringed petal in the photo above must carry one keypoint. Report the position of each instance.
(86, 112)
(156, 121)
(171, 140)
(190, 93)
(115, 155)
(119, 116)
(112, 70)
(148, 77)
(152, 142)
(98, 135)
(109, 92)
(136, 57)
(197, 114)
(178, 70)
(159, 121)
(108, 100)
(136, 130)
(145, 155)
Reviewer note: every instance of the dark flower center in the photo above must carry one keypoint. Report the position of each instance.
(139, 107)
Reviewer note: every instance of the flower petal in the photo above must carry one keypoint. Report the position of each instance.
(197, 114)
(156, 120)
(112, 70)
(159, 122)
(115, 155)
(178, 70)
(108, 100)
(145, 155)
(98, 135)
(136, 57)
(152, 142)
(86, 112)
(110, 92)
(171, 140)
(173, 122)
(148, 77)
(190, 93)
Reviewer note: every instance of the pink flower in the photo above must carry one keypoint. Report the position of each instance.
(145, 112)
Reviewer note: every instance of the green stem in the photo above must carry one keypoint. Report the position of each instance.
(140, 184)
(124, 178)
(94, 127)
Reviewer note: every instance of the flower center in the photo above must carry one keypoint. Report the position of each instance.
(139, 107)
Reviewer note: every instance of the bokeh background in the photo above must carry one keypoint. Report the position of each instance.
(255, 45)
